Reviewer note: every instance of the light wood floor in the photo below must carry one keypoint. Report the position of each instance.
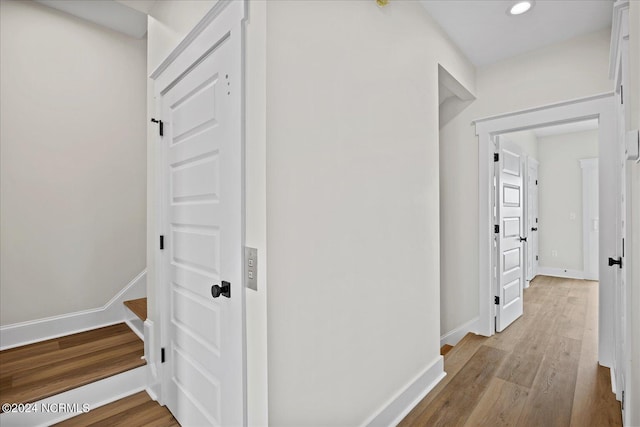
(43, 369)
(541, 371)
(133, 411)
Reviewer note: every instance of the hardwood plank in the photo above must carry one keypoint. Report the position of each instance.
(594, 403)
(453, 362)
(39, 390)
(549, 375)
(18, 353)
(31, 360)
(445, 349)
(75, 364)
(500, 405)
(58, 365)
(104, 412)
(453, 406)
(145, 414)
(520, 368)
(138, 307)
(131, 411)
(92, 335)
(550, 401)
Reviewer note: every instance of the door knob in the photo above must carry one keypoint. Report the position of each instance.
(534, 228)
(613, 262)
(224, 290)
(523, 239)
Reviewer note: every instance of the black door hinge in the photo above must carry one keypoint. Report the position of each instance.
(497, 300)
(160, 125)
(536, 182)
(496, 228)
(536, 257)
(161, 242)
(622, 402)
(496, 157)
(162, 355)
(621, 94)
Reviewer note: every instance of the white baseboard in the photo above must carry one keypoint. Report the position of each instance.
(154, 365)
(561, 272)
(454, 337)
(614, 388)
(113, 312)
(392, 412)
(94, 395)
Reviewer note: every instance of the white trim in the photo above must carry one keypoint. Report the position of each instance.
(452, 338)
(188, 40)
(113, 312)
(599, 106)
(588, 167)
(561, 272)
(94, 394)
(151, 354)
(394, 410)
(543, 108)
(136, 325)
(614, 388)
(618, 30)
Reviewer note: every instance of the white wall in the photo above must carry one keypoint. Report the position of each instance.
(526, 140)
(568, 70)
(560, 197)
(169, 22)
(352, 204)
(73, 162)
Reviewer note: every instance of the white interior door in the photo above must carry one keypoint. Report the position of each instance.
(619, 261)
(203, 371)
(532, 218)
(509, 239)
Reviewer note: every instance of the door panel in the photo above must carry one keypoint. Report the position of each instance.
(202, 207)
(510, 268)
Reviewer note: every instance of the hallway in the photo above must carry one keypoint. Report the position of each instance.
(541, 371)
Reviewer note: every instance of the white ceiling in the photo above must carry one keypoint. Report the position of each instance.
(485, 33)
(128, 17)
(567, 128)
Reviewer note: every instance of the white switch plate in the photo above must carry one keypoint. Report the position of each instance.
(251, 268)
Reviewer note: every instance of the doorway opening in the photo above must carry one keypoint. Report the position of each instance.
(599, 108)
(560, 220)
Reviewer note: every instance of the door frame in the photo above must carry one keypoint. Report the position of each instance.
(589, 167)
(224, 18)
(599, 107)
(528, 224)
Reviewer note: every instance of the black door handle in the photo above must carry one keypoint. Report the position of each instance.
(224, 290)
(523, 239)
(534, 228)
(613, 262)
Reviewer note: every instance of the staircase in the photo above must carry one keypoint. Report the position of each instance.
(56, 379)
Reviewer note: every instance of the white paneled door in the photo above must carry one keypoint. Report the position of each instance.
(202, 152)
(509, 241)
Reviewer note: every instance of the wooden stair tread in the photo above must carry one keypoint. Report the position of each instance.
(135, 410)
(445, 349)
(138, 307)
(41, 370)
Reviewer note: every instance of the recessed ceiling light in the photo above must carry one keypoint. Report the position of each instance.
(520, 7)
